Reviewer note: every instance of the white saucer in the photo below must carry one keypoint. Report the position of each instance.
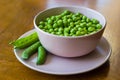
(67, 66)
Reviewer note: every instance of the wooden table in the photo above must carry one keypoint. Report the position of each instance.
(16, 17)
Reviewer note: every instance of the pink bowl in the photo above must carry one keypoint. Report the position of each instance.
(69, 46)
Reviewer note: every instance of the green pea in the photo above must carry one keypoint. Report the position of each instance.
(72, 24)
(53, 18)
(83, 24)
(78, 33)
(72, 30)
(66, 30)
(88, 20)
(66, 12)
(95, 21)
(89, 24)
(58, 33)
(90, 29)
(55, 25)
(98, 26)
(78, 14)
(41, 23)
(80, 29)
(53, 33)
(51, 30)
(60, 22)
(74, 18)
(83, 32)
(41, 26)
(66, 34)
(47, 19)
(84, 17)
(69, 20)
(55, 29)
(60, 29)
(50, 21)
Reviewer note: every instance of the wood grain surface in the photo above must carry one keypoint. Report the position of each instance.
(16, 17)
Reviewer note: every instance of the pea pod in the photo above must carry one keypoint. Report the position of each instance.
(41, 55)
(30, 50)
(25, 41)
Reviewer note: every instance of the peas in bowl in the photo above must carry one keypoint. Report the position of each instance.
(70, 24)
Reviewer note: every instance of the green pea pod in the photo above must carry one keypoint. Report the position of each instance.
(25, 41)
(30, 50)
(41, 55)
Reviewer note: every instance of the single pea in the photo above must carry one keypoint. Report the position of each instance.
(89, 24)
(83, 32)
(78, 33)
(72, 24)
(41, 23)
(93, 25)
(73, 15)
(66, 30)
(41, 26)
(77, 22)
(50, 21)
(69, 20)
(66, 34)
(95, 21)
(88, 20)
(49, 26)
(60, 29)
(90, 29)
(55, 29)
(57, 17)
(77, 26)
(97, 29)
(64, 17)
(65, 23)
(47, 19)
(72, 30)
(84, 17)
(78, 18)
(45, 27)
(81, 16)
(55, 25)
(77, 14)
(51, 30)
(66, 12)
(74, 18)
(60, 22)
(53, 18)
(80, 29)
(83, 24)
(58, 33)
(98, 26)
(83, 20)
(53, 33)
(69, 16)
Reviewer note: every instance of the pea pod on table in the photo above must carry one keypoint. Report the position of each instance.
(25, 41)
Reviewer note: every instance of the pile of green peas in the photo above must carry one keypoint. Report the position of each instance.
(70, 24)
